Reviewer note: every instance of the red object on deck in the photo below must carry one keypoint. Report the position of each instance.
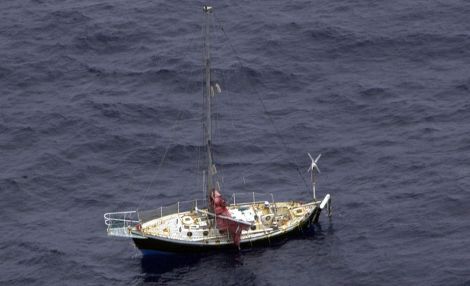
(220, 209)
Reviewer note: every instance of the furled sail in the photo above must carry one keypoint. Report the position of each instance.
(233, 227)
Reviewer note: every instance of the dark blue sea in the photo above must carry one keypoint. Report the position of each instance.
(101, 107)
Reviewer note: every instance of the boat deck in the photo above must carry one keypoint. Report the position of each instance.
(195, 226)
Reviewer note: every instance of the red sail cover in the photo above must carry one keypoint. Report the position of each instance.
(220, 209)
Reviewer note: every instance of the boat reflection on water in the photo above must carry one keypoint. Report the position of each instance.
(157, 267)
(155, 264)
(159, 262)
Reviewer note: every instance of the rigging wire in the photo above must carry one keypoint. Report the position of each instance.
(200, 168)
(162, 160)
(260, 100)
(237, 159)
(216, 121)
(167, 148)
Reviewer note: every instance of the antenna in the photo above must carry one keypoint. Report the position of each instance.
(313, 167)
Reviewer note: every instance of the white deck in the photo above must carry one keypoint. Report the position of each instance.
(193, 227)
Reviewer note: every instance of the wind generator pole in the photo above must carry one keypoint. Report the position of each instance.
(312, 169)
(313, 185)
(207, 108)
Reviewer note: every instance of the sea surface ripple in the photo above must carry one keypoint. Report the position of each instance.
(94, 93)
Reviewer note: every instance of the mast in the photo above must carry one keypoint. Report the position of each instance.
(207, 107)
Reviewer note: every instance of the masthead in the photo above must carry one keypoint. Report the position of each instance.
(207, 8)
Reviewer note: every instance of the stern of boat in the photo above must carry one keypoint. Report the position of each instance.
(123, 224)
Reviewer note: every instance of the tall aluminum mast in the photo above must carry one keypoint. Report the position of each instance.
(207, 100)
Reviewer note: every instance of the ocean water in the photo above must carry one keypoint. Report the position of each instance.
(95, 94)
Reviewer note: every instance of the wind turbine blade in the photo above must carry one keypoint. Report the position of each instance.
(318, 158)
(310, 156)
(318, 169)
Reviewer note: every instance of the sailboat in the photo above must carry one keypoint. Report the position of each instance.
(214, 224)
